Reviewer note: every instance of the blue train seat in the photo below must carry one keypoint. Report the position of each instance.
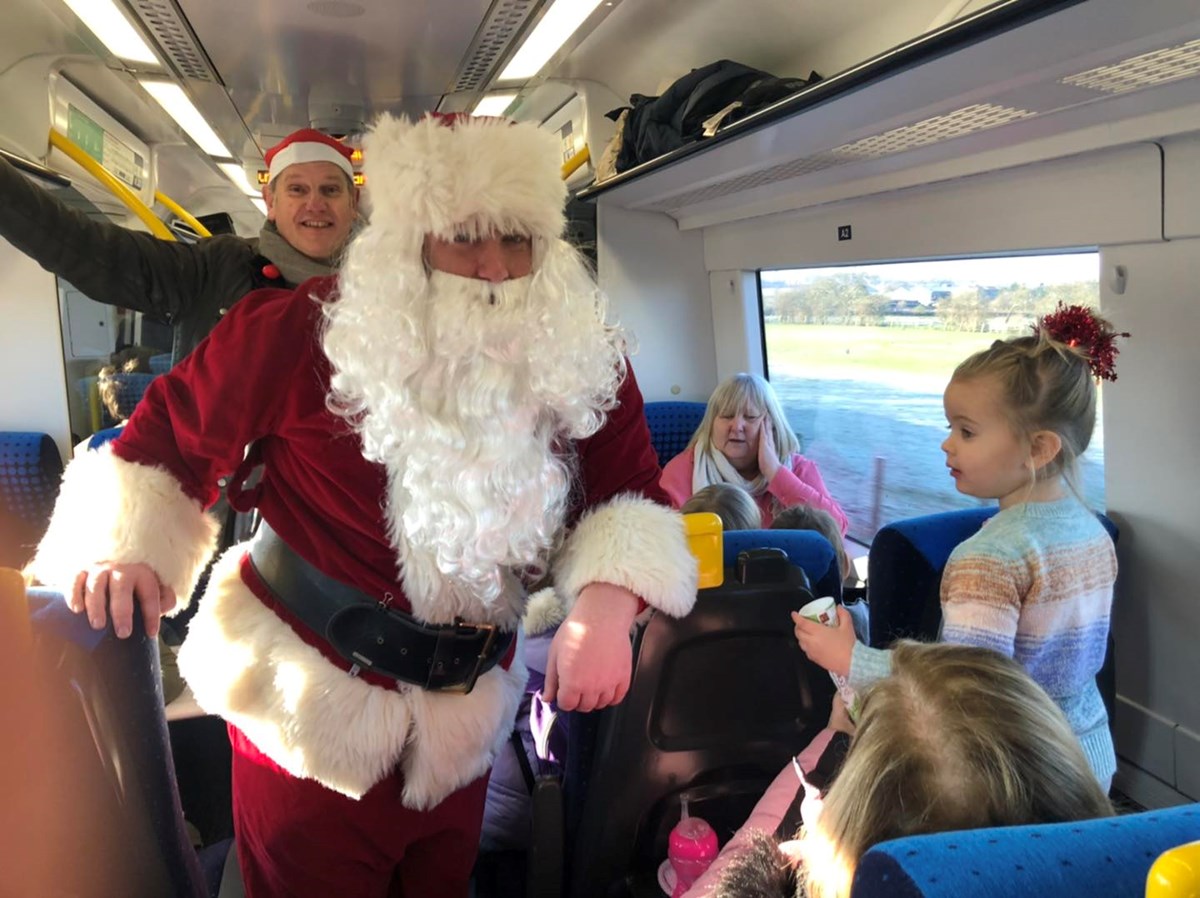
(807, 549)
(905, 576)
(1110, 857)
(111, 823)
(672, 424)
(161, 363)
(905, 571)
(30, 472)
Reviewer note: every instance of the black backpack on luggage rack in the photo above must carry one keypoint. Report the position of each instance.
(696, 105)
(718, 703)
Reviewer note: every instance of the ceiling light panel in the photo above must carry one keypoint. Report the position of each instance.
(501, 26)
(558, 24)
(493, 104)
(172, 98)
(108, 23)
(237, 175)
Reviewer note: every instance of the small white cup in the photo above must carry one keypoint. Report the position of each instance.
(824, 611)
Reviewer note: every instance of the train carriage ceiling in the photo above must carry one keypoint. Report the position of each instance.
(257, 69)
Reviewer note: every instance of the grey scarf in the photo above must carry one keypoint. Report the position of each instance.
(292, 264)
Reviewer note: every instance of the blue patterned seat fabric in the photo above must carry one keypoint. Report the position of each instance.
(1087, 859)
(30, 471)
(672, 425)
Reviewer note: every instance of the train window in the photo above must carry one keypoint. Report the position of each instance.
(860, 355)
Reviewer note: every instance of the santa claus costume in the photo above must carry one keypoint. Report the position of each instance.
(430, 444)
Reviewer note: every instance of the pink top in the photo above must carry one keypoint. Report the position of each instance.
(766, 814)
(799, 483)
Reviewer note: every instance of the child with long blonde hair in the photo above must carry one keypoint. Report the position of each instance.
(956, 737)
(1036, 583)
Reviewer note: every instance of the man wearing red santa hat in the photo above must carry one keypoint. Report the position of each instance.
(449, 422)
(312, 205)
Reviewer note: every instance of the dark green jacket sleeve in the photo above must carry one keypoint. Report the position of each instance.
(171, 281)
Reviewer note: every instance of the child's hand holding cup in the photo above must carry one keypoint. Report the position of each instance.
(824, 611)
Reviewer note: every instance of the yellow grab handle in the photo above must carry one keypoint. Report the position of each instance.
(571, 165)
(101, 174)
(179, 212)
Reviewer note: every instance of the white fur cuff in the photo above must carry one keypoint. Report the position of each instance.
(634, 543)
(119, 511)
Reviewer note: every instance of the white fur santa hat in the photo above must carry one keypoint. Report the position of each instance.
(451, 174)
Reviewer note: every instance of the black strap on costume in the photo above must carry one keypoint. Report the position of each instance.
(369, 633)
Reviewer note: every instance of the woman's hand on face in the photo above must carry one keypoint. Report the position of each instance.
(768, 458)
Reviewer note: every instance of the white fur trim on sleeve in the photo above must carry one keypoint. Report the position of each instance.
(110, 509)
(544, 611)
(634, 543)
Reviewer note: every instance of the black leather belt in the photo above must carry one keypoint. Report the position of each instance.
(369, 633)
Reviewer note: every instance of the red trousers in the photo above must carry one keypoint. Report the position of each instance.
(298, 839)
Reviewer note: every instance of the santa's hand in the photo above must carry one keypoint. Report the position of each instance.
(113, 588)
(830, 647)
(589, 663)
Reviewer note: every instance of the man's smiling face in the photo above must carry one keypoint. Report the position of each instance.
(313, 205)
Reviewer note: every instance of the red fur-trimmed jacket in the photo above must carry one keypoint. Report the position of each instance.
(261, 378)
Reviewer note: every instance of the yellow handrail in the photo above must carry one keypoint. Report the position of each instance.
(572, 165)
(179, 212)
(97, 171)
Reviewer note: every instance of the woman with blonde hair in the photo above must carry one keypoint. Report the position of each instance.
(745, 440)
(958, 737)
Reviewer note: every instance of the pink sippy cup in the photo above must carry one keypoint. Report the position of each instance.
(691, 848)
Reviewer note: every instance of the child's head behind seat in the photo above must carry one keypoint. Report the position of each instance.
(805, 517)
(732, 504)
(958, 737)
(130, 360)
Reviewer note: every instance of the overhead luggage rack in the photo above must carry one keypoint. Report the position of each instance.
(1015, 72)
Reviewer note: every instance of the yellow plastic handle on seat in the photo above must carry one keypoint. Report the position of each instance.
(1176, 873)
(706, 540)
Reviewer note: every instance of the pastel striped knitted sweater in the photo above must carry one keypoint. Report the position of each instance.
(1036, 584)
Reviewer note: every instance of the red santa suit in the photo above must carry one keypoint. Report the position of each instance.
(345, 782)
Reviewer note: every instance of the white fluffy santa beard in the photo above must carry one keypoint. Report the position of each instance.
(464, 390)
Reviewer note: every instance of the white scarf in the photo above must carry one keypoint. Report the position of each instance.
(711, 466)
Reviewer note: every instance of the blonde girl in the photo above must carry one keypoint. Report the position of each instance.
(955, 738)
(1036, 583)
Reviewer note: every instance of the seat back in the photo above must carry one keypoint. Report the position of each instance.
(672, 425)
(109, 820)
(30, 472)
(807, 549)
(904, 571)
(904, 576)
(719, 701)
(1109, 856)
